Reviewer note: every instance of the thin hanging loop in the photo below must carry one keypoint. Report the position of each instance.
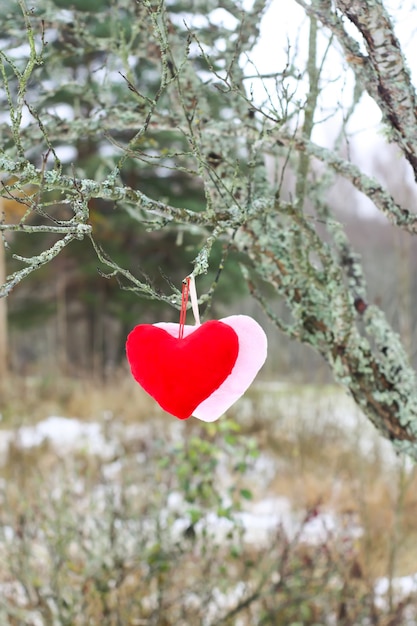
(188, 291)
(184, 302)
(194, 300)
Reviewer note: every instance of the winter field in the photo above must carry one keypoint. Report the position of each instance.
(288, 511)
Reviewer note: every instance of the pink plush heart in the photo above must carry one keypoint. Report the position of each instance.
(181, 373)
(251, 357)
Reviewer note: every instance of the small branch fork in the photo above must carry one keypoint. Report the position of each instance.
(34, 263)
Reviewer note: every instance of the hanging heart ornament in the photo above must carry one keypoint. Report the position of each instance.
(196, 370)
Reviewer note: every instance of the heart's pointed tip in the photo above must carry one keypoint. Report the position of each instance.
(181, 417)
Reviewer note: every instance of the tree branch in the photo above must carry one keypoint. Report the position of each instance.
(381, 381)
(34, 263)
(369, 186)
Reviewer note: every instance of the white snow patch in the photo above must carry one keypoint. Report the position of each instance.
(262, 523)
(402, 587)
(265, 518)
(64, 434)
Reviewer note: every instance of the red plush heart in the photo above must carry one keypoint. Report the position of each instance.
(180, 373)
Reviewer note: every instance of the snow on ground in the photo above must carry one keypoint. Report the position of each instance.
(65, 435)
(62, 433)
(265, 518)
(401, 587)
(316, 410)
(289, 409)
(262, 519)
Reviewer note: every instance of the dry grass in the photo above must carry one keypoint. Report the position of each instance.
(322, 464)
(32, 399)
(347, 469)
